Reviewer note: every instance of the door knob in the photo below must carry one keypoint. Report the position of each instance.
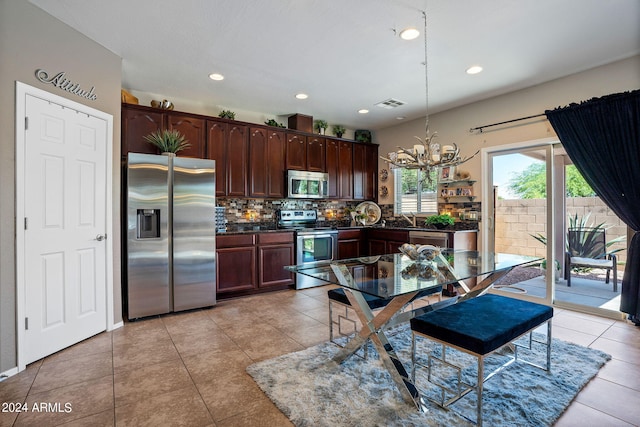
(101, 237)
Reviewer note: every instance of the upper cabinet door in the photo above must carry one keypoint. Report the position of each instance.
(316, 154)
(296, 151)
(217, 150)
(359, 166)
(258, 162)
(371, 173)
(193, 130)
(136, 124)
(332, 166)
(237, 160)
(276, 164)
(345, 169)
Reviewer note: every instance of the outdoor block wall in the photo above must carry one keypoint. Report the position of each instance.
(516, 220)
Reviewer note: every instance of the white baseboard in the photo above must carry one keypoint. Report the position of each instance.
(6, 374)
(117, 325)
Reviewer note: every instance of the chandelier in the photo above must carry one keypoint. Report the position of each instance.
(428, 154)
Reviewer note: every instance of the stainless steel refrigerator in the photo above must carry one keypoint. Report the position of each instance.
(171, 249)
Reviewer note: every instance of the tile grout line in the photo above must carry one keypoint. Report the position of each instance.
(113, 381)
(187, 369)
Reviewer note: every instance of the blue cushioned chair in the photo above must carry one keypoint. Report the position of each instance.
(479, 326)
(346, 323)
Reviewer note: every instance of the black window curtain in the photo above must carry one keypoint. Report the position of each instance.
(602, 137)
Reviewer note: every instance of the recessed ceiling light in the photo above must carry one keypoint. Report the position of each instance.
(363, 111)
(216, 76)
(400, 118)
(302, 96)
(409, 34)
(474, 69)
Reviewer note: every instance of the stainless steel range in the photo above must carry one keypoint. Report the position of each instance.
(313, 244)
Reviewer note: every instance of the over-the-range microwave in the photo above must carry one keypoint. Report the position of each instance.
(307, 185)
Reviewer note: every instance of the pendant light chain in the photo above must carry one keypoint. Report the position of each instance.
(426, 75)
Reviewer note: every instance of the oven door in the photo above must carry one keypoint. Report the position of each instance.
(314, 247)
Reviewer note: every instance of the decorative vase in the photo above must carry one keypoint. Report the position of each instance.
(168, 154)
(339, 134)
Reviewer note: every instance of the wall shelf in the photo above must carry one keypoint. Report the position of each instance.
(455, 183)
(470, 198)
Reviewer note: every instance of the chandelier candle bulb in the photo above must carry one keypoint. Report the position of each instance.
(447, 149)
(418, 149)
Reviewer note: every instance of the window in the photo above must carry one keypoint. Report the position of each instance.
(413, 194)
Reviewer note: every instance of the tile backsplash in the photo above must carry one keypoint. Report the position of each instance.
(264, 210)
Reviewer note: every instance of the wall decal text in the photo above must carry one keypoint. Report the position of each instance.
(61, 82)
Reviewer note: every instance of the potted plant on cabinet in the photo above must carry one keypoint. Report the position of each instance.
(227, 114)
(168, 141)
(272, 122)
(338, 130)
(320, 126)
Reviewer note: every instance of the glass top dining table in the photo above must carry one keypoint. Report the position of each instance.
(387, 276)
(399, 279)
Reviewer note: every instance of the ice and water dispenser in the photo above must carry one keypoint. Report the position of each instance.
(148, 224)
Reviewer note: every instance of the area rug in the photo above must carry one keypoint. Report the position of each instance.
(312, 390)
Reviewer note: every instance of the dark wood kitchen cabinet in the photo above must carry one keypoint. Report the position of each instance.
(240, 171)
(139, 121)
(332, 167)
(305, 152)
(254, 262)
(136, 124)
(350, 243)
(339, 166)
(382, 242)
(296, 151)
(371, 172)
(194, 131)
(266, 163)
(275, 251)
(228, 145)
(316, 153)
(359, 169)
(365, 171)
(345, 170)
(236, 266)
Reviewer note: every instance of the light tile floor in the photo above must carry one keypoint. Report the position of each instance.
(188, 369)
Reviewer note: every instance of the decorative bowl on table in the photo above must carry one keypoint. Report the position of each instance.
(419, 252)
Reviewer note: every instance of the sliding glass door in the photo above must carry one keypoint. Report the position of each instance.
(531, 196)
(519, 212)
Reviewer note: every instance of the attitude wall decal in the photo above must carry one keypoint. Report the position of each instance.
(61, 82)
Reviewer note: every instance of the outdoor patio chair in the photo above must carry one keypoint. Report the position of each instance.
(587, 248)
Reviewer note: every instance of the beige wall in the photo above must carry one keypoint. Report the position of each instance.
(31, 39)
(453, 125)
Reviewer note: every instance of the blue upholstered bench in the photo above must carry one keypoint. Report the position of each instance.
(338, 296)
(478, 326)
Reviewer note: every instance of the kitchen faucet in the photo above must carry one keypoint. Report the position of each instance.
(411, 220)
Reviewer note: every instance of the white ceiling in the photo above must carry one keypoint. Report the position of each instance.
(344, 53)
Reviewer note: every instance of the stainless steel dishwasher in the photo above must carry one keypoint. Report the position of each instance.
(435, 238)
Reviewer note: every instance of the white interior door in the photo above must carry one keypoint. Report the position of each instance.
(65, 195)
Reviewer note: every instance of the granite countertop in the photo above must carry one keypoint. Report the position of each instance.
(243, 228)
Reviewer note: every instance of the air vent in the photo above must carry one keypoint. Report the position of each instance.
(390, 103)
